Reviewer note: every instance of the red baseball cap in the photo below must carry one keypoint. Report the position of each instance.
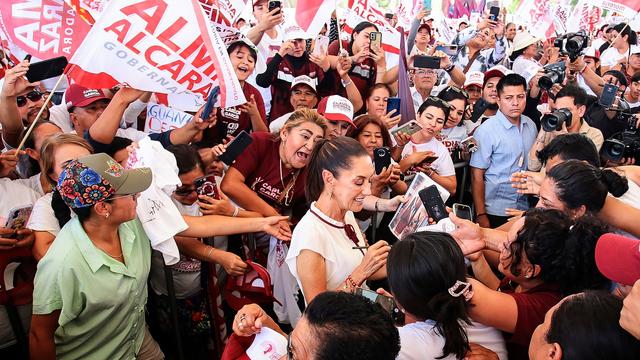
(618, 258)
(336, 108)
(80, 96)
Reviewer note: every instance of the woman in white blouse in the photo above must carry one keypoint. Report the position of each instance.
(328, 251)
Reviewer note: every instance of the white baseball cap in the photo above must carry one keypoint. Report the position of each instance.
(336, 108)
(474, 78)
(634, 49)
(293, 32)
(304, 80)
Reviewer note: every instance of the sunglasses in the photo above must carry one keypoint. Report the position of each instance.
(184, 190)
(459, 91)
(439, 101)
(34, 96)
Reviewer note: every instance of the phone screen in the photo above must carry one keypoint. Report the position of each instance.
(462, 211)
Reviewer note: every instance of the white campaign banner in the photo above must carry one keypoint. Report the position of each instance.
(163, 46)
(162, 118)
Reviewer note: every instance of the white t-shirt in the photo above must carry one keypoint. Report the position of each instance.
(452, 137)
(59, 115)
(266, 48)
(421, 340)
(610, 57)
(13, 195)
(327, 237)
(443, 165)
(521, 65)
(32, 183)
(43, 218)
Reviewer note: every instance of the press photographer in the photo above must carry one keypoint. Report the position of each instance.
(567, 116)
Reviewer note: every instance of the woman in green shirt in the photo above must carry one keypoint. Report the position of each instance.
(90, 289)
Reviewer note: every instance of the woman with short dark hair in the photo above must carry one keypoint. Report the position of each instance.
(584, 327)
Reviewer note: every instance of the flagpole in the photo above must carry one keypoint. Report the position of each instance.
(33, 124)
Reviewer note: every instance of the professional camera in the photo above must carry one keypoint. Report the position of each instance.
(572, 43)
(625, 144)
(554, 120)
(553, 74)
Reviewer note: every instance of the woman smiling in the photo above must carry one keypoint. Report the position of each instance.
(324, 253)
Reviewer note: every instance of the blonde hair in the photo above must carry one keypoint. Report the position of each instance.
(49, 147)
(302, 116)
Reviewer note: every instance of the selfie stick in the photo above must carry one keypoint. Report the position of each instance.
(33, 124)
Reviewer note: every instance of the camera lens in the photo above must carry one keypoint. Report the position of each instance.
(545, 82)
(381, 152)
(613, 149)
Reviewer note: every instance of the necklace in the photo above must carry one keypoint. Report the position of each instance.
(286, 197)
(108, 253)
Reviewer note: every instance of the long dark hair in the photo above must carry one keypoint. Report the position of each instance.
(578, 183)
(564, 249)
(334, 156)
(63, 212)
(587, 327)
(356, 30)
(421, 268)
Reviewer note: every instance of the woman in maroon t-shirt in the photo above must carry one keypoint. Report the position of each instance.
(367, 67)
(547, 255)
(270, 175)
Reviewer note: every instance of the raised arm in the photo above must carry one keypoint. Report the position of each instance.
(14, 84)
(103, 130)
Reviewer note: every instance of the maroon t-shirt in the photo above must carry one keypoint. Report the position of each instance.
(363, 75)
(231, 121)
(260, 164)
(532, 307)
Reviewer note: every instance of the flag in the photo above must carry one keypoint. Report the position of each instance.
(88, 10)
(407, 111)
(312, 15)
(627, 8)
(407, 11)
(223, 11)
(163, 46)
(44, 29)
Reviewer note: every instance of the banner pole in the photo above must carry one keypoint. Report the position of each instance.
(46, 102)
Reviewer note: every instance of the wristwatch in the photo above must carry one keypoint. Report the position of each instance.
(449, 68)
(346, 83)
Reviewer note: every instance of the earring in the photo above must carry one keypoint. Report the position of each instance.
(106, 216)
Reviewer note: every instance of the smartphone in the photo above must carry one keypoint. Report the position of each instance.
(386, 302)
(18, 219)
(608, 97)
(463, 211)
(375, 40)
(274, 4)
(428, 160)
(409, 128)
(470, 143)
(450, 50)
(206, 185)
(46, 69)
(211, 100)
(426, 62)
(321, 45)
(393, 103)
(28, 57)
(235, 148)
(381, 158)
(433, 203)
(494, 12)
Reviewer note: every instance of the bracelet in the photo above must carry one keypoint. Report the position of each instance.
(236, 211)
(481, 214)
(351, 282)
(209, 252)
(346, 83)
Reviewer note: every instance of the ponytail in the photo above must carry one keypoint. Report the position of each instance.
(60, 208)
(616, 184)
(447, 313)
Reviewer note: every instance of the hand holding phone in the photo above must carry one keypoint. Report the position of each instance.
(274, 4)
(375, 41)
(433, 203)
(393, 104)
(381, 159)
(211, 100)
(206, 185)
(235, 148)
(17, 219)
(387, 303)
(46, 69)
(494, 12)
(426, 62)
(321, 45)
(463, 211)
(409, 128)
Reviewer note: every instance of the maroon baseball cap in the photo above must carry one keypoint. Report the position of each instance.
(618, 258)
(81, 96)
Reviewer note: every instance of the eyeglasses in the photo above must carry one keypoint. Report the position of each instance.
(184, 190)
(132, 196)
(34, 96)
(459, 91)
(424, 72)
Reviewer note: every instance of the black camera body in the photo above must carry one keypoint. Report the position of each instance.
(553, 74)
(625, 144)
(553, 121)
(572, 43)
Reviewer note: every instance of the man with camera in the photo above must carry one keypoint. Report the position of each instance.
(566, 117)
